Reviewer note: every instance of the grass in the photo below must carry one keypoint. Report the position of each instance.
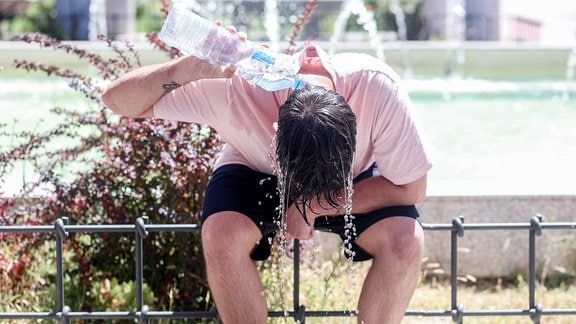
(334, 286)
(492, 296)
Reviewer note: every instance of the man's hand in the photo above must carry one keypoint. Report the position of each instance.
(229, 50)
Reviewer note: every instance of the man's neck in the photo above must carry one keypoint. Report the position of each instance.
(323, 80)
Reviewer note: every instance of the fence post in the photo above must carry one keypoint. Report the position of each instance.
(457, 230)
(535, 230)
(299, 310)
(141, 234)
(61, 234)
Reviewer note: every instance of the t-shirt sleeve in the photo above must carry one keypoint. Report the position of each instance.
(195, 102)
(401, 149)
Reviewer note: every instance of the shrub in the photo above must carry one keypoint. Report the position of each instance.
(127, 168)
(131, 168)
(39, 17)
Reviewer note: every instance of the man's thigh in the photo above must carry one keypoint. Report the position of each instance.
(239, 189)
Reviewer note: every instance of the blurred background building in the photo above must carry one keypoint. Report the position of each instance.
(452, 20)
(70, 19)
(552, 21)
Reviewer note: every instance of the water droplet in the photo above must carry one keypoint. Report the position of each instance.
(264, 180)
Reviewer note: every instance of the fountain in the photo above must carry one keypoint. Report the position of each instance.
(570, 66)
(365, 19)
(271, 22)
(402, 35)
(497, 136)
(455, 29)
(98, 24)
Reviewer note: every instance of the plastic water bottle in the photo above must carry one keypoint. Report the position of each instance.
(194, 35)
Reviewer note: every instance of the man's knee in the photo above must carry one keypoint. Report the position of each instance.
(229, 233)
(395, 237)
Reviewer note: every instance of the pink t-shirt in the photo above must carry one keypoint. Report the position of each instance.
(388, 131)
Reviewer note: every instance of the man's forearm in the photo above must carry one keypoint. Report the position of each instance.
(135, 93)
(375, 193)
(378, 192)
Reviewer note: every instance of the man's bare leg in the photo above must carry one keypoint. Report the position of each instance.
(227, 240)
(396, 244)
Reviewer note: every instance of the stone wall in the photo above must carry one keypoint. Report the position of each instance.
(491, 253)
(497, 253)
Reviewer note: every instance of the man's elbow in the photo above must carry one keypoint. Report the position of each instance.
(112, 102)
(109, 102)
(417, 191)
(420, 197)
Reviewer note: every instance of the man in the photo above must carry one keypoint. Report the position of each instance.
(74, 18)
(352, 120)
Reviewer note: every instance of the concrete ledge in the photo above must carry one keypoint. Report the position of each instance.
(428, 59)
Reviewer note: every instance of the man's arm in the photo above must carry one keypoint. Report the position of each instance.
(369, 194)
(378, 192)
(135, 93)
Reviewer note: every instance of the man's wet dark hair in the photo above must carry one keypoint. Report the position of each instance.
(315, 146)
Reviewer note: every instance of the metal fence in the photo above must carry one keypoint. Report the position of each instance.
(535, 311)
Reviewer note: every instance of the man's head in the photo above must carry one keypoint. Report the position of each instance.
(315, 145)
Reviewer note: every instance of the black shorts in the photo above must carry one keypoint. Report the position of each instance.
(238, 188)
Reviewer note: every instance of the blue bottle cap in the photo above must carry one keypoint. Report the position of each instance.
(299, 83)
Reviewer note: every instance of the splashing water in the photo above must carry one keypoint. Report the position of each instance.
(455, 26)
(570, 66)
(402, 35)
(98, 25)
(280, 220)
(365, 19)
(350, 228)
(400, 20)
(271, 23)
(350, 232)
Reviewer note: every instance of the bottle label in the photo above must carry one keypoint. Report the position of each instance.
(262, 56)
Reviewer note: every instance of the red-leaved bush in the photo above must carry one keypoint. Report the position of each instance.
(131, 168)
